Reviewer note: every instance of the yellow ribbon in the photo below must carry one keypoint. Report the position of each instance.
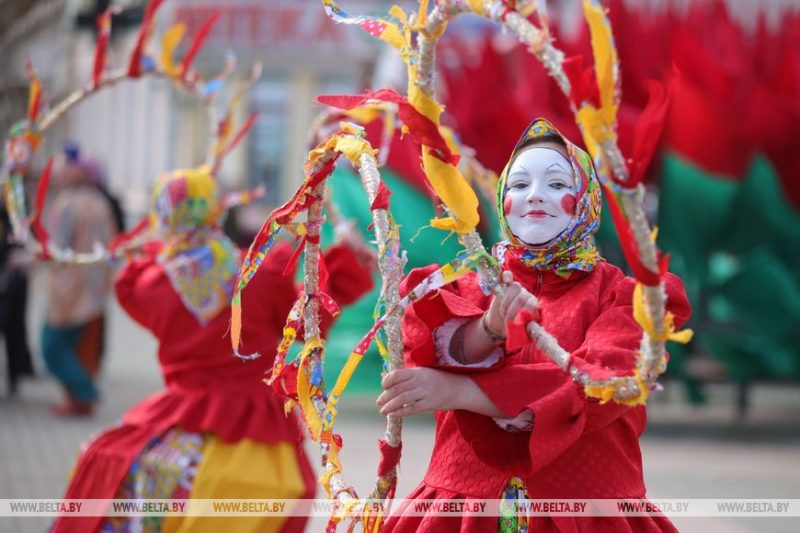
(326, 146)
(346, 510)
(352, 149)
(346, 373)
(287, 406)
(606, 393)
(352, 144)
(454, 191)
(476, 6)
(172, 37)
(365, 113)
(445, 179)
(667, 332)
(34, 94)
(595, 129)
(305, 390)
(605, 59)
(599, 125)
(422, 19)
(375, 517)
(654, 234)
(225, 132)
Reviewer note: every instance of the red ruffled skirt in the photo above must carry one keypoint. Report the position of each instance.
(251, 415)
(405, 520)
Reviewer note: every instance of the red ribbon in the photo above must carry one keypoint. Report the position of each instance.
(38, 229)
(285, 383)
(290, 267)
(381, 200)
(629, 247)
(582, 82)
(517, 336)
(299, 202)
(126, 237)
(135, 65)
(647, 133)
(390, 457)
(508, 7)
(323, 271)
(197, 42)
(331, 438)
(421, 128)
(103, 33)
(251, 120)
(328, 303)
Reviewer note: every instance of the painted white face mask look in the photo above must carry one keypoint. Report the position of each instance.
(539, 201)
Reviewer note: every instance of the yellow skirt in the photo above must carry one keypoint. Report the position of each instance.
(182, 465)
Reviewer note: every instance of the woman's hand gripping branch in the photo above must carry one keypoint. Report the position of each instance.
(409, 391)
(479, 338)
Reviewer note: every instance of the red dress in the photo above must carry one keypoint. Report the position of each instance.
(577, 449)
(208, 390)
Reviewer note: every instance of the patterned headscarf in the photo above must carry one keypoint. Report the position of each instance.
(573, 249)
(199, 260)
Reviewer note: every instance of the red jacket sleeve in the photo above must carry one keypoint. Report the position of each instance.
(460, 299)
(266, 302)
(348, 278)
(127, 288)
(562, 413)
(347, 281)
(132, 286)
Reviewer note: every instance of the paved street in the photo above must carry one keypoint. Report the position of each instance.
(688, 453)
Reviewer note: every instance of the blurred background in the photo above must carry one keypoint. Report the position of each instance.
(723, 189)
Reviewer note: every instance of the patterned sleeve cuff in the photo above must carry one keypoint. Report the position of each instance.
(443, 335)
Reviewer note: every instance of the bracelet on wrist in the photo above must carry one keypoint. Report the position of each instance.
(494, 337)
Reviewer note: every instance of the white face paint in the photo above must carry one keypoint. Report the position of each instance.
(539, 202)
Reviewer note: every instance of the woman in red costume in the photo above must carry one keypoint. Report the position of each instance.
(216, 430)
(512, 419)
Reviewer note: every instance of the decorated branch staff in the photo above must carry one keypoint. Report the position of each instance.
(301, 381)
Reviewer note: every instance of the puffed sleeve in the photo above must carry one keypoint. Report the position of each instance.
(132, 288)
(458, 300)
(348, 278)
(561, 411)
(267, 301)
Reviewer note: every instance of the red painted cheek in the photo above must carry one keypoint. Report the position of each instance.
(507, 205)
(568, 203)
